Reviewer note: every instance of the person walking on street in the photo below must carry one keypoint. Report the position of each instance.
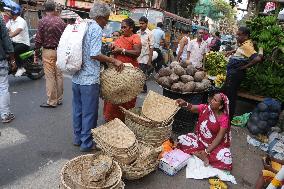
(159, 35)
(85, 82)
(182, 46)
(147, 41)
(196, 50)
(6, 47)
(50, 29)
(19, 33)
(244, 57)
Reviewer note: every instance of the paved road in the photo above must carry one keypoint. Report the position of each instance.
(35, 146)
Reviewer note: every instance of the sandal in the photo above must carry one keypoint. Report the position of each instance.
(45, 105)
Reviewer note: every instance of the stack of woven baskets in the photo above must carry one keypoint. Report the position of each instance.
(92, 171)
(118, 141)
(152, 123)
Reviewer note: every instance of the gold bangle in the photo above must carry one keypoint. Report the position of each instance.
(205, 150)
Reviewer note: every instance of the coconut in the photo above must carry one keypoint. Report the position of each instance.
(198, 76)
(179, 70)
(189, 87)
(199, 87)
(177, 86)
(164, 81)
(186, 78)
(207, 83)
(190, 70)
(174, 78)
(174, 64)
(165, 72)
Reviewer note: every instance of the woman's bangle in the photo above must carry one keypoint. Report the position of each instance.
(205, 150)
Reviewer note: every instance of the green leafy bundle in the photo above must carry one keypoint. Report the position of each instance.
(266, 78)
(215, 63)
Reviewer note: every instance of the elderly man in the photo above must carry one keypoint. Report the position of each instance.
(6, 47)
(50, 29)
(85, 83)
(147, 40)
(196, 50)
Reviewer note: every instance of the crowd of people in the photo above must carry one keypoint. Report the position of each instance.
(211, 140)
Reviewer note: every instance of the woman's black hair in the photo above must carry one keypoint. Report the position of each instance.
(129, 22)
(244, 31)
(214, 92)
(217, 34)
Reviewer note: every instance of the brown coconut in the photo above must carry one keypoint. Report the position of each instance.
(179, 70)
(199, 87)
(190, 70)
(164, 81)
(207, 83)
(174, 64)
(174, 78)
(186, 78)
(188, 87)
(177, 86)
(198, 76)
(165, 72)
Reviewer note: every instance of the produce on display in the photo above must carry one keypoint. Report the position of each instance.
(215, 63)
(264, 116)
(219, 81)
(267, 78)
(182, 78)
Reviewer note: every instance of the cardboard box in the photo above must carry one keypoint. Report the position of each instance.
(173, 161)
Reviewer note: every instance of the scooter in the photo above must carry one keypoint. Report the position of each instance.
(33, 71)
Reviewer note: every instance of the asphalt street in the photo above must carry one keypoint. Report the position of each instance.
(36, 145)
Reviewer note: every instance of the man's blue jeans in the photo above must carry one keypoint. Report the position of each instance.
(85, 113)
(4, 92)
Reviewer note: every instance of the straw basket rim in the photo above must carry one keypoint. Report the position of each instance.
(121, 87)
(115, 134)
(159, 108)
(117, 174)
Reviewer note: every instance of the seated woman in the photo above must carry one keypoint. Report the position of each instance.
(271, 167)
(127, 49)
(211, 140)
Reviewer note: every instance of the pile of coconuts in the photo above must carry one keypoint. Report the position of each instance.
(182, 78)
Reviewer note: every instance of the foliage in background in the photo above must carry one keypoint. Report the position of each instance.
(266, 78)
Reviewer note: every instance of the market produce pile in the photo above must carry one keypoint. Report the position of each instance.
(267, 78)
(182, 78)
(264, 116)
(215, 63)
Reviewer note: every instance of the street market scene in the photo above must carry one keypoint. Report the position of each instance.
(114, 94)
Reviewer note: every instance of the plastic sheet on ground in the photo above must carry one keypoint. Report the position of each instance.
(196, 170)
(256, 143)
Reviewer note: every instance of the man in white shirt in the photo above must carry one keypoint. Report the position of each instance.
(196, 50)
(147, 41)
(19, 33)
(159, 35)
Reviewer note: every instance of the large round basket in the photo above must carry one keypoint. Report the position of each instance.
(117, 141)
(146, 162)
(159, 108)
(74, 173)
(144, 130)
(121, 87)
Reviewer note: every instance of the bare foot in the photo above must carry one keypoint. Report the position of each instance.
(203, 157)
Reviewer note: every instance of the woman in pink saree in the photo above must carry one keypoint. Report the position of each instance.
(212, 137)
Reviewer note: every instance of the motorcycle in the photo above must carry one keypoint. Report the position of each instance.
(33, 71)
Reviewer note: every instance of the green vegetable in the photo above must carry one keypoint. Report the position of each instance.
(215, 63)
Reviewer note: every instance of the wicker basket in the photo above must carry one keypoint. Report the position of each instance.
(121, 87)
(117, 141)
(74, 173)
(159, 108)
(146, 163)
(144, 129)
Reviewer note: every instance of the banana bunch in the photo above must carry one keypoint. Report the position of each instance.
(219, 81)
(215, 63)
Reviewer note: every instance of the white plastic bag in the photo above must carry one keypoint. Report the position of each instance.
(69, 51)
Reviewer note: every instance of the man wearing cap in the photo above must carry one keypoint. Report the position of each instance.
(50, 29)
